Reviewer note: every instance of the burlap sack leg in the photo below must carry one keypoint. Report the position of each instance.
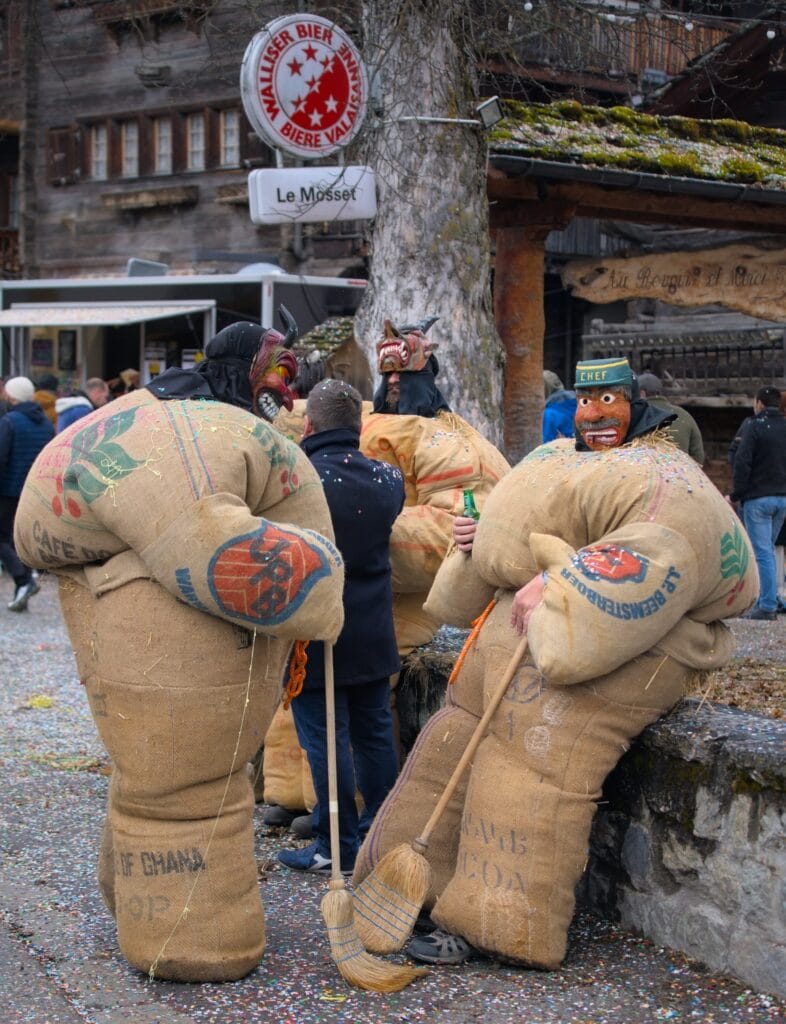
(170, 710)
(419, 786)
(79, 613)
(531, 800)
(284, 764)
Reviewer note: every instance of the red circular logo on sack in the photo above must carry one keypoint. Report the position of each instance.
(612, 563)
(264, 577)
(304, 86)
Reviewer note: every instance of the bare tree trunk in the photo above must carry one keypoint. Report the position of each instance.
(430, 242)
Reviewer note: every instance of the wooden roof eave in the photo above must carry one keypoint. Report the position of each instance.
(516, 182)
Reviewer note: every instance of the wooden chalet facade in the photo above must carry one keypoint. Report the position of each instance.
(124, 136)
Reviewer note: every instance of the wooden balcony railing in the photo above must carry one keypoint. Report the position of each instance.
(565, 37)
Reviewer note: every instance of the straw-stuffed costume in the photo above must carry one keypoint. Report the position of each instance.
(193, 544)
(637, 558)
(440, 455)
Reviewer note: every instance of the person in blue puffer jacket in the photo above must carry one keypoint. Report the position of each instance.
(24, 431)
(559, 410)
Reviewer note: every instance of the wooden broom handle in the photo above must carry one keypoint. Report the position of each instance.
(330, 717)
(420, 844)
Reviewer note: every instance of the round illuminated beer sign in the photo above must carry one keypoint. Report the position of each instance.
(304, 86)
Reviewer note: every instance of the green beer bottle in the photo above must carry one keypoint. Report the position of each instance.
(470, 508)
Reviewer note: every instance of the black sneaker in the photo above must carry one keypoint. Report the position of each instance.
(757, 613)
(440, 948)
(279, 817)
(303, 826)
(23, 594)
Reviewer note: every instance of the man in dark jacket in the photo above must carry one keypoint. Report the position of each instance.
(365, 497)
(24, 431)
(759, 471)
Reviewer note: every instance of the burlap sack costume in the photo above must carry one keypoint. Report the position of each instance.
(439, 457)
(194, 545)
(643, 558)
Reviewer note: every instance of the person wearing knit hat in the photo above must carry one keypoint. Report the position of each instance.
(684, 431)
(24, 430)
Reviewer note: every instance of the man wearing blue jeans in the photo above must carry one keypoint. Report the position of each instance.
(365, 497)
(759, 472)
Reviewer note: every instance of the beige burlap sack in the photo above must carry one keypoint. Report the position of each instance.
(412, 623)
(196, 543)
(285, 767)
(458, 594)
(219, 507)
(532, 793)
(184, 886)
(631, 540)
(426, 772)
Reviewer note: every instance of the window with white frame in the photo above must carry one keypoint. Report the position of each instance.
(99, 161)
(195, 142)
(230, 138)
(129, 143)
(162, 145)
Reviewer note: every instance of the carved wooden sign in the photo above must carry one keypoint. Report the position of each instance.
(749, 278)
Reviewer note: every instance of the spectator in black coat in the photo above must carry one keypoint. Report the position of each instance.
(759, 472)
(365, 497)
(24, 430)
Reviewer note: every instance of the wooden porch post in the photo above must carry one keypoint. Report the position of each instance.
(520, 319)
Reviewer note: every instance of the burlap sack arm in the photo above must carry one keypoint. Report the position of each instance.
(459, 593)
(610, 601)
(419, 541)
(280, 579)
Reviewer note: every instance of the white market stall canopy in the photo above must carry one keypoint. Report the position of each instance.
(96, 314)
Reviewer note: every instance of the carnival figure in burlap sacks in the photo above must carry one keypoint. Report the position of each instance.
(193, 545)
(410, 426)
(618, 558)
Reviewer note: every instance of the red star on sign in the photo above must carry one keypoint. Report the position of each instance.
(294, 67)
(327, 99)
(310, 52)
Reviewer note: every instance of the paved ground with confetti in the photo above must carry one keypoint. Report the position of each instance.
(59, 959)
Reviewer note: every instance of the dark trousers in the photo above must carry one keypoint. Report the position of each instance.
(365, 757)
(19, 571)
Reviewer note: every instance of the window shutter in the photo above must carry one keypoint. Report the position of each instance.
(64, 155)
(253, 151)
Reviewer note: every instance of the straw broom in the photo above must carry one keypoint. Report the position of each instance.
(355, 964)
(389, 900)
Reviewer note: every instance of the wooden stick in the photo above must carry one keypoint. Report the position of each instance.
(420, 844)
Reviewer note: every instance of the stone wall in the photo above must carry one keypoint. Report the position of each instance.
(688, 847)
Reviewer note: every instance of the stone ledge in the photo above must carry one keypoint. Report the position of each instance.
(688, 845)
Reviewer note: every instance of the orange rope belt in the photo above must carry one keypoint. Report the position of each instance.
(297, 672)
(477, 625)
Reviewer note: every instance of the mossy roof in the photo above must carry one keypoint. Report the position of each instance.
(328, 336)
(622, 139)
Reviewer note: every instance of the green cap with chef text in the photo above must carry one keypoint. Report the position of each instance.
(603, 373)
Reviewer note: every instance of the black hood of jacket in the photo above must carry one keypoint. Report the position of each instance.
(223, 373)
(418, 392)
(644, 419)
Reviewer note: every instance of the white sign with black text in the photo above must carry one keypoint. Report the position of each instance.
(311, 194)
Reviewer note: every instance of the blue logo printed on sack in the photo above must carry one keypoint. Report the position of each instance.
(186, 588)
(626, 610)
